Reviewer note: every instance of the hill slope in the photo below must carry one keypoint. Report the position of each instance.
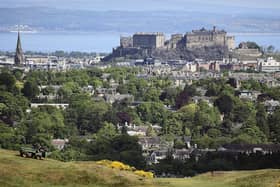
(16, 171)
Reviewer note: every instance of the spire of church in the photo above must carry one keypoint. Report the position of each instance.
(19, 59)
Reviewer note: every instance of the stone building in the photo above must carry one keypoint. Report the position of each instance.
(244, 50)
(144, 44)
(175, 41)
(19, 58)
(148, 40)
(126, 42)
(230, 42)
(206, 38)
(269, 65)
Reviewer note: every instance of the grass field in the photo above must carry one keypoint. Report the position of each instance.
(16, 171)
(25, 172)
(259, 178)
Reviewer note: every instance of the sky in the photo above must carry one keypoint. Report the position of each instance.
(141, 4)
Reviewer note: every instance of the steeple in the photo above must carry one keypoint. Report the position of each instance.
(19, 59)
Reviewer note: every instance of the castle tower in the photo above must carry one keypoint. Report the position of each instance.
(19, 58)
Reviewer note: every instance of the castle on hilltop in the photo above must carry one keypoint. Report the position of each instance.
(191, 40)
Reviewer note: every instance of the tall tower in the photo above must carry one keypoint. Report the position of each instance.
(19, 58)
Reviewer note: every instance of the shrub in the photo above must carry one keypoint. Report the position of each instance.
(122, 166)
(145, 174)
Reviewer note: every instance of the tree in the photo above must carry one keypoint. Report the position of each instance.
(213, 89)
(168, 96)
(8, 137)
(184, 97)
(174, 127)
(129, 150)
(68, 89)
(122, 147)
(30, 89)
(7, 80)
(187, 112)
(12, 108)
(43, 124)
(250, 135)
(274, 126)
(251, 45)
(152, 95)
(204, 142)
(270, 49)
(225, 104)
(214, 133)
(90, 115)
(108, 131)
(243, 111)
(152, 112)
(206, 116)
(261, 120)
(150, 131)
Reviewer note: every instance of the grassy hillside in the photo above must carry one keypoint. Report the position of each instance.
(16, 171)
(260, 178)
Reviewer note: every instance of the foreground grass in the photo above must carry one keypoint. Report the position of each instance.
(18, 171)
(25, 172)
(259, 178)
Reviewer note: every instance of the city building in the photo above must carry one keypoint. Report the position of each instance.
(207, 38)
(148, 40)
(269, 65)
(175, 41)
(126, 42)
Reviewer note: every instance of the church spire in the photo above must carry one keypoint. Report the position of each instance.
(19, 59)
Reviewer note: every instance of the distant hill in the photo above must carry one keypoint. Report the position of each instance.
(22, 172)
(51, 19)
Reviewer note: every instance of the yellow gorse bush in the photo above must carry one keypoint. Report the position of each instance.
(116, 165)
(106, 163)
(122, 166)
(145, 174)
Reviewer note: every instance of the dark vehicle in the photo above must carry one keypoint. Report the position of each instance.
(29, 152)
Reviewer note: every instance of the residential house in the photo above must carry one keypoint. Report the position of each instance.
(182, 154)
(59, 143)
(156, 156)
(269, 65)
(208, 100)
(271, 105)
(134, 130)
(150, 143)
(111, 98)
(57, 105)
(88, 89)
(250, 148)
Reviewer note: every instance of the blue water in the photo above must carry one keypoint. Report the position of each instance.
(97, 42)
